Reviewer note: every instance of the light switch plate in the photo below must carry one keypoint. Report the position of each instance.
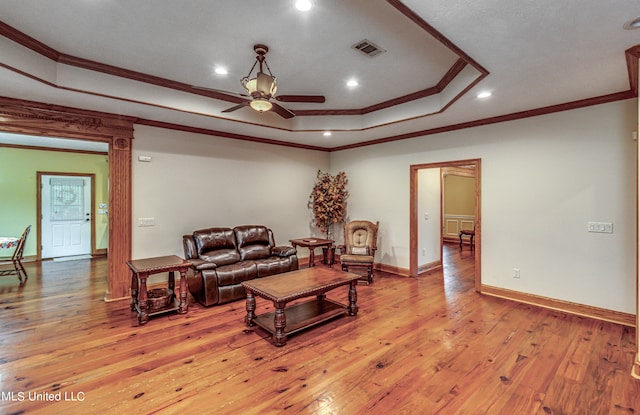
(600, 227)
(146, 221)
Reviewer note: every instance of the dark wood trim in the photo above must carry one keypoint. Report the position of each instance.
(224, 134)
(39, 175)
(27, 41)
(603, 314)
(402, 8)
(63, 58)
(26, 117)
(455, 69)
(143, 77)
(632, 55)
(413, 214)
(62, 150)
(618, 96)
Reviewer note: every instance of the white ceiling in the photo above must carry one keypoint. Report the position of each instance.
(537, 53)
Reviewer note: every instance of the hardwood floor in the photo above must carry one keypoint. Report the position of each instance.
(418, 346)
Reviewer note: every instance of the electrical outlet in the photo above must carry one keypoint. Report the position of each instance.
(516, 273)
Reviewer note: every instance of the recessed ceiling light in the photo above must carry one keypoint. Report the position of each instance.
(632, 24)
(485, 94)
(221, 71)
(303, 5)
(352, 82)
(327, 134)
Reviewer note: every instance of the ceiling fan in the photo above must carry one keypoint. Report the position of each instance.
(262, 87)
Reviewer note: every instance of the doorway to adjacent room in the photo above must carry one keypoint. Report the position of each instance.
(416, 172)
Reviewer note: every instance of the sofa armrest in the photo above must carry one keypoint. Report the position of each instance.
(283, 251)
(200, 264)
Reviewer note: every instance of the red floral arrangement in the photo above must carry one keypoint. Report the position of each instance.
(328, 200)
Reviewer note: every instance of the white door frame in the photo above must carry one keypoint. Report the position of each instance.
(39, 175)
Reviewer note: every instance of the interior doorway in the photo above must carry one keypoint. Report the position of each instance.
(416, 215)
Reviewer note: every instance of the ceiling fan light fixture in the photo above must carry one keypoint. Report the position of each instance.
(261, 104)
(251, 85)
(268, 89)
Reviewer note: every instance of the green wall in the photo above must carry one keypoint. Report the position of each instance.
(18, 189)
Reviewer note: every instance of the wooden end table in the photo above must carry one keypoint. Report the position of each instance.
(140, 271)
(312, 244)
(284, 288)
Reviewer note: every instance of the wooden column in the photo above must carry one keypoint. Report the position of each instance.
(119, 218)
(633, 57)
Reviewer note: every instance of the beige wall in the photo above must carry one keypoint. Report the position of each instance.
(459, 195)
(195, 181)
(543, 179)
(429, 212)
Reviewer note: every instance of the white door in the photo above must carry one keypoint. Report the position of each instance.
(66, 216)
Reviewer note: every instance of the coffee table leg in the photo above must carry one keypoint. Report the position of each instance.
(353, 298)
(251, 308)
(279, 323)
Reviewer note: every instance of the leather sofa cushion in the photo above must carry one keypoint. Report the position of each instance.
(230, 293)
(272, 266)
(236, 273)
(217, 245)
(253, 241)
(283, 251)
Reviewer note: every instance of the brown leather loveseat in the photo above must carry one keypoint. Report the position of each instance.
(222, 258)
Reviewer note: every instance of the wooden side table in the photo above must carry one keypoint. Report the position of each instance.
(312, 244)
(140, 271)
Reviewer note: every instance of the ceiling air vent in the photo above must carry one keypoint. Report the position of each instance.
(368, 48)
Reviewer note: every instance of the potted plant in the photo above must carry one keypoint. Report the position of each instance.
(328, 200)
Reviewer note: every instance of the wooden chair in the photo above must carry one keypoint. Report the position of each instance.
(359, 249)
(15, 262)
(470, 233)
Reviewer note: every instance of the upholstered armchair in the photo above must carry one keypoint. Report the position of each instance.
(359, 249)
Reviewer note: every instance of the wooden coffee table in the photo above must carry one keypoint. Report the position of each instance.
(284, 288)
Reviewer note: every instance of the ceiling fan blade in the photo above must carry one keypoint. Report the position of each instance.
(219, 94)
(282, 111)
(237, 107)
(301, 98)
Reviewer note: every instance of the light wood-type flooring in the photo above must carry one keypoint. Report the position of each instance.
(430, 345)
